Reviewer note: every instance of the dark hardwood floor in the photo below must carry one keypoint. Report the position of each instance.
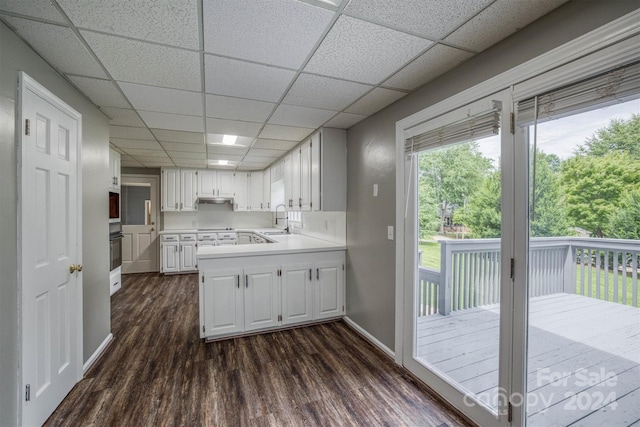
(158, 372)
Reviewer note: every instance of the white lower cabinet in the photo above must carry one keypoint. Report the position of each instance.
(170, 257)
(178, 253)
(276, 291)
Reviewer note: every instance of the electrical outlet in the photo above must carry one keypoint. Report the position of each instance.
(375, 190)
(390, 232)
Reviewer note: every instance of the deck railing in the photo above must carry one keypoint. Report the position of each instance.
(470, 271)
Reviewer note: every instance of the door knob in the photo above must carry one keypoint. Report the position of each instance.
(152, 229)
(153, 223)
(79, 267)
(72, 269)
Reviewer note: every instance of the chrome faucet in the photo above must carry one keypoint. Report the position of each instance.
(286, 217)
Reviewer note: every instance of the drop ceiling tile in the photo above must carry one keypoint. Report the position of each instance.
(364, 52)
(123, 117)
(248, 110)
(274, 144)
(176, 136)
(58, 45)
(128, 132)
(232, 127)
(285, 132)
(101, 92)
(177, 146)
(276, 32)
(292, 115)
(229, 157)
(146, 159)
(375, 101)
(162, 99)
(172, 121)
(433, 63)
(259, 159)
(35, 8)
(498, 21)
(217, 138)
(265, 154)
(146, 63)
(173, 23)
(185, 155)
(214, 165)
(247, 166)
(187, 163)
(241, 79)
(155, 163)
(133, 163)
(227, 150)
(135, 152)
(433, 19)
(125, 144)
(324, 92)
(113, 147)
(344, 120)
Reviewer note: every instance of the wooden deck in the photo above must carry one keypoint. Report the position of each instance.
(583, 359)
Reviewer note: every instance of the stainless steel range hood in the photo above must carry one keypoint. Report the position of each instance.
(216, 200)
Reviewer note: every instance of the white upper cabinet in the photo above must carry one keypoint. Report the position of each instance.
(114, 170)
(240, 191)
(170, 190)
(189, 190)
(256, 192)
(266, 190)
(225, 184)
(305, 176)
(207, 183)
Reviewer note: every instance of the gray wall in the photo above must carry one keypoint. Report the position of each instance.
(15, 55)
(371, 156)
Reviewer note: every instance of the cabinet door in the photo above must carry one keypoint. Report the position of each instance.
(315, 172)
(170, 257)
(286, 177)
(295, 180)
(297, 293)
(328, 295)
(170, 190)
(188, 256)
(207, 183)
(225, 184)
(189, 190)
(222, 302)
(266, 190)
(305, 176)
(240, 191)
(256, 193)
(261, 297)
(115, 168)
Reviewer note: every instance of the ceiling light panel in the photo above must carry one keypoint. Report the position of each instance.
(163, 100)
(285, 132)
(42, 9)
(345, 120)
(59, 45)
(324, 92)
(176, 136)
(177, 146)
(123, 117)
(364, 52)
(427, 67)
(139, 62)
(274, 144)
(276, 32)
(125, 144)
(228, 157)
(225, 107)
(216, 138)
(172, 22)
(127, 132)
(374, 101)
(232, 127)
(172, 121)
(292, 115)
(498, 21)
(241, 79)
(433, 19)
(101, 92)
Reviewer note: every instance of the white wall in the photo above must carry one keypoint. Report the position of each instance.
(216, 216)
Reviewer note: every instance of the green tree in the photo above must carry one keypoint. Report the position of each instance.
(594, 187)
(549, 217)
(446, 178)
(620, 136)
(625, 222)
(482, 214)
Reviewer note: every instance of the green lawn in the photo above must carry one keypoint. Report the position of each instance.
(430, 254)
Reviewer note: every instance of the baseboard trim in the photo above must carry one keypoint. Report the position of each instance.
(96, 354)
(366, 335)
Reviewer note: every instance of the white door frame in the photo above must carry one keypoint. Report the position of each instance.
(25, 82)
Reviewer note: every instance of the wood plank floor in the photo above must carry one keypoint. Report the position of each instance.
(158, 372)
(567, 333)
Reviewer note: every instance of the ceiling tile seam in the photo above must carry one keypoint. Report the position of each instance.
(249, 61)
(320, 4)
(465, 23)
(107, 73)
(312, 52)
(33, 18)
(135, 39)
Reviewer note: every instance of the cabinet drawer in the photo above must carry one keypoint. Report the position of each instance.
(208, 236)
(169, 238)
(188, 238)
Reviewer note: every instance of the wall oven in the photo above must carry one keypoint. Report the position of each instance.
(114, 207)
(115, 244)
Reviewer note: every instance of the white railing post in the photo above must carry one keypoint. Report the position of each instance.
(444, 294)
(569, 273)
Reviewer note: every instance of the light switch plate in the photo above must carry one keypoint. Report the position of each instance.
(375, 190)
(390, 232)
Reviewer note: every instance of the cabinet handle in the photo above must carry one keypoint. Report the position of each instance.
(116, 180)
(238, 281)
(246, 280)
(317, 274)
(300, 202)
(310, 277)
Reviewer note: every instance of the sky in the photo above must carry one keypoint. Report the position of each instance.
(562, 136)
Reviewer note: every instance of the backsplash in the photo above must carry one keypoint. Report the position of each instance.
(216, 216)
(330, 226)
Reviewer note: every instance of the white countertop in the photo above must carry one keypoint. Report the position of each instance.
(238, 230)
(288, 243)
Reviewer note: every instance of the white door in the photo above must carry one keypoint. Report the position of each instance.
(223, 299)
(139, 201)
(262, 297)
(328, 290)
(189, 187)
(297, 293)
(225, 184)
(170, 190)
(50, 243)
(170, 258)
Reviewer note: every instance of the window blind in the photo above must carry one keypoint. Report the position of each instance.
(470, 128)
(615, 86)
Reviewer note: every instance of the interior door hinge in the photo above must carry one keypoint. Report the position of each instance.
(202, 279)
(203, 330)
(512, 123)
(27, 127)
(509, 412)
(27, 393)
(512, 267)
